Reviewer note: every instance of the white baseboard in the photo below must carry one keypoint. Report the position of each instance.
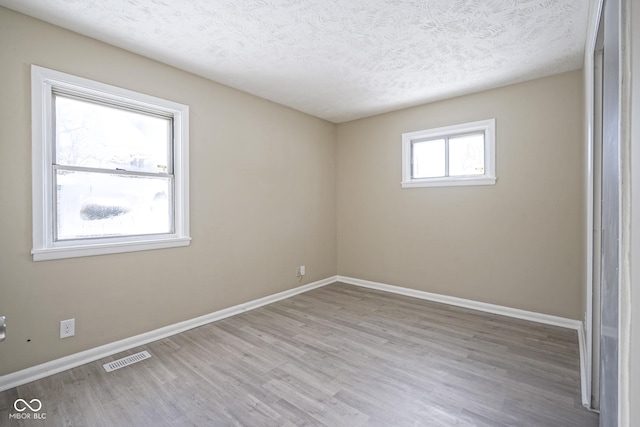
(466, 303)
(33, 373)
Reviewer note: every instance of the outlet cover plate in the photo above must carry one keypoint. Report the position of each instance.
(67, 328)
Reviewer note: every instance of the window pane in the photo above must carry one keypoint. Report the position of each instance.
(99, 136)
(466, 155)
(102, 205)
(428, 158)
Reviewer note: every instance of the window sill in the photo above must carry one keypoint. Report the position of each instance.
(47, 254)
(449, 182)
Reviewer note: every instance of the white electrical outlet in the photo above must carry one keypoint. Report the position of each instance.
(301, 271)
(67, 328)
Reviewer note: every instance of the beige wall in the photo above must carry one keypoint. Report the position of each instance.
(262, 203)
(518, 243)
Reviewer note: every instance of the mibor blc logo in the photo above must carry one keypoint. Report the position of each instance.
(28, 410)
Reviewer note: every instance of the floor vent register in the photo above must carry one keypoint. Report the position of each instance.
(126, 361)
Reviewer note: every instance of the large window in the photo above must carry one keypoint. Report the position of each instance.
(110, 169)
(453, 155)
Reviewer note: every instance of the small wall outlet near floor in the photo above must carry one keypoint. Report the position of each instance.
(301, 271)
(67, 328)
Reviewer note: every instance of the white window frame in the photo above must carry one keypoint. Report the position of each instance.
(488, 178)
(43, 82)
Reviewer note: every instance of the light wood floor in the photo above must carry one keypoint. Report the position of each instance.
(335, 356)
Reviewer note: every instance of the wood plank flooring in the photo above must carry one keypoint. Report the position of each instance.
(335, 356)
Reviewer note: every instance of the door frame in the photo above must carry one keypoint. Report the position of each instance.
(595, 13)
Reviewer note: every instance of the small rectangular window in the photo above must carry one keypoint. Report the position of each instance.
(453, 155)
(110, 168)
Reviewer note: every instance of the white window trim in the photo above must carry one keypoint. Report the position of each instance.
(43, 80)
(489, 176)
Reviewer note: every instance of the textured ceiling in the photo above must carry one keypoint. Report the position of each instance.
(339, 59)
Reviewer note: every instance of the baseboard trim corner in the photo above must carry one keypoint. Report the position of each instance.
(37, 372)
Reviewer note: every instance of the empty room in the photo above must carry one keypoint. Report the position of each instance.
(324, 213)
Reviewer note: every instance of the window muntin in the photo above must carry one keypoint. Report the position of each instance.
(110, 168)
(453, 155)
